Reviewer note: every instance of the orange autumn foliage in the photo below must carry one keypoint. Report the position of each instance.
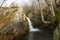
(4, 21)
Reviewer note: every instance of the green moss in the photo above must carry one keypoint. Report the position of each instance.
(58, 13)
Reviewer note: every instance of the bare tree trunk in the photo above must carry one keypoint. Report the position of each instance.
(57, 33)
(41, 8)
(3, 2)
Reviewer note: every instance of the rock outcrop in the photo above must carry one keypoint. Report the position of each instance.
(13, 23)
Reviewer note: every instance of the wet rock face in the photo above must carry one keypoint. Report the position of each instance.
(12, 24)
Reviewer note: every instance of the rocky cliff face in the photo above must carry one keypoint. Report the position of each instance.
(12, 23)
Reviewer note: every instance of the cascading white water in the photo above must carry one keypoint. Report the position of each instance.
(31, 27)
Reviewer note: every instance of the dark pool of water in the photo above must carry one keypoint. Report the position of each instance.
(42, 35)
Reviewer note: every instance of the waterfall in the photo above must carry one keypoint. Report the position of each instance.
(30, 26)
